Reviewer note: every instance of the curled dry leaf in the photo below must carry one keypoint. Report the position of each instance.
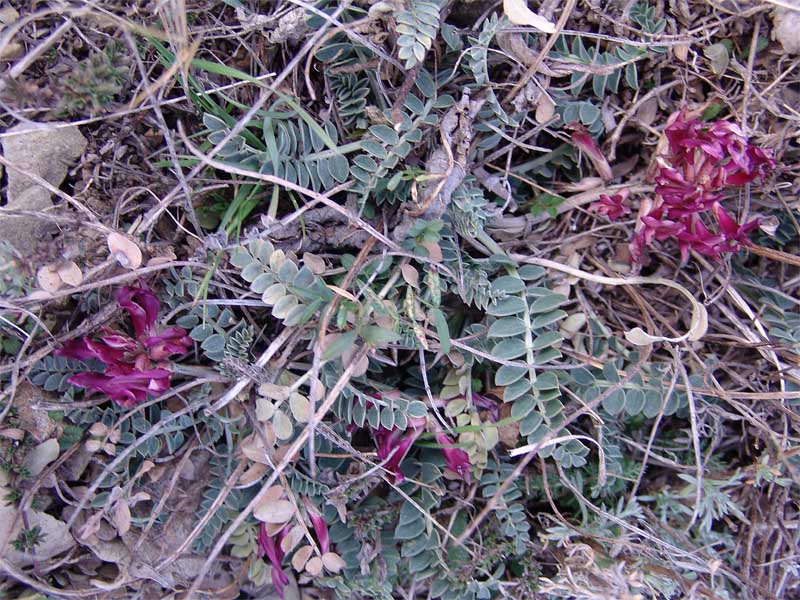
(93, 446)
(343, 293)
(70, 273)
(410, 274)
(124, 250)
(314, 566)
(518, 13)
(333, 562)
(122, 517)
(274, 493)
(162, 259)
(360, 368)
(291, 540)
(434, 251)
(253, 473)
(697, 327)
(98, 429)
(39, 295)
(253, 448)
(315, 264)
(48, 279)
(572, 325)
(316, 390)
(545, 109)
(274, 511)
(301, 557)
(681, 52)
(273, 391)
(786, 28)
(301, 408)
(282, 425)
(265, 409)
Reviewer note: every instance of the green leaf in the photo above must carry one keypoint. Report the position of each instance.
(531, 272)
(516, 389)
(509, 349)
(548, 318)
(634, 402)
(547, 339)
(507, 374)
(507, 327)
(442, 330)
(385, 134)
(530, 424)
(632, 76)
(214, 343)
(416, 409)
(339, 345)
(548, 303)
(378, 336)
(614, 402)
(522, 407)
(507, 306)
(508, 285)
(546, 381)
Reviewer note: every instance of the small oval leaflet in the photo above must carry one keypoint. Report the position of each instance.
(274, 511)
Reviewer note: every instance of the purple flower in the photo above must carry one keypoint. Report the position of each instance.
(125, 388)
(583, 141)
(172, 340)
(142, 306)
(395, 443)
(455, 458)
(730, 229)
(697, 237)
(319, 524)
(612, 207)
(134, 367)
(702, 160)
(270, 546)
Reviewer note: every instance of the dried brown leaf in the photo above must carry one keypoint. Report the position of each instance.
(274, 511)
(122, 517)
(301, 557)
(314, 566)
(411, 275)
(518, 13)
(300, 407)
(124, 251)
(70, 273)
(282, 424)
(48, 279)
(314, 263)
(333, 562)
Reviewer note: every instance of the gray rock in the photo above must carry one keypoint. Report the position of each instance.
(47, 151)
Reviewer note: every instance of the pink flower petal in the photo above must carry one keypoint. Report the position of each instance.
(271, 547)
(142, 305)
(583, 140)
(455, 458)
(320, 526)
(612, 207)
(125, 387)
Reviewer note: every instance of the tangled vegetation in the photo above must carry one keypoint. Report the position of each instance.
(400, 299)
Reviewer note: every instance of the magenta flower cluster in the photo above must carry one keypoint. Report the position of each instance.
(701, 162)
(135, 366)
